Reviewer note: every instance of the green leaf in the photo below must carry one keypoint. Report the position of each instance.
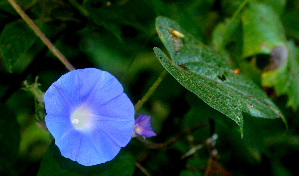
(262, 30)
(226, 33)
(277, 5)
(16, 39)
(9, 139)
(54, 164)
(6, 7)
(279, 169)
(291, 22)
(206, 73)
(285, 79)
(190, 173)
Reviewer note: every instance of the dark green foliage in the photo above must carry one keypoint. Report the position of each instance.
(10, 139)
(16, 40)
(234, 62)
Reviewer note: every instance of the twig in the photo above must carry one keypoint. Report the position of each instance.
(230, 23)
(212, 165)
(44, 39)
(143, 170)
(212, 139)
(154, 145)
(150, 91)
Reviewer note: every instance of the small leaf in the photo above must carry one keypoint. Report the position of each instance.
(16, 40)
(209, 75)
(56, 165)
(284, 75)
(262, 30)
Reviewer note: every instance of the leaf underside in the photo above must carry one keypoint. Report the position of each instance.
(207, 74)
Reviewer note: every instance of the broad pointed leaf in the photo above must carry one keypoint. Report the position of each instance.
(206, 73)
(15, 43)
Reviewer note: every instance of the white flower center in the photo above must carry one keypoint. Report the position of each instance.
(75, 121)
(81, 118)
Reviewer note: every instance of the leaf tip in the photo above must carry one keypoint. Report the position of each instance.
(282, 118)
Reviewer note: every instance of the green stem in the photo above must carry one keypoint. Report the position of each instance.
(230, 23)
(45, 40)
(81, 9)
(138, 165)
(150, 91)
(153, 145)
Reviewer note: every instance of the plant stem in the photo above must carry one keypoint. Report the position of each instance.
(230, 23)
(81, 9)
(153, 145)
(45, 40)
(150, 91)
(142, 169)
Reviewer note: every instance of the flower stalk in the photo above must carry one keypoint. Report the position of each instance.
(153, 145)
(151, 90)
(44, 39)
(224, 40)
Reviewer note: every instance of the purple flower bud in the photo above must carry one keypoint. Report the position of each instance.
(143, 127)
(89, 115)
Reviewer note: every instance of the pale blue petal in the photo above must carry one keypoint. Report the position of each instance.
(68, 86)
(106, 90)
(69, 144)
(88, 154)
(88, 78)
(119, 131)
(55, 103)
(107, 148)
(96, 149)
(58, 125)
(119, 108)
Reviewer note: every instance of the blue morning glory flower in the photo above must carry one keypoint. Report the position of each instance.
(89, 115)
(142, 126)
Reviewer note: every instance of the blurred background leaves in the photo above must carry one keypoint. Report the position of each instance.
(118, 36)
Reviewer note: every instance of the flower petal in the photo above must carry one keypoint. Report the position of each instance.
(105, 146)
(145, 121)
(119, 108)
(148, 133)
(143, 127)
(68, 86)
(69, 144)
(88, 79)
(95, 149)
(106, 89)
(88, 155)
(55, 103)
(119, 132)
(58, 125)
